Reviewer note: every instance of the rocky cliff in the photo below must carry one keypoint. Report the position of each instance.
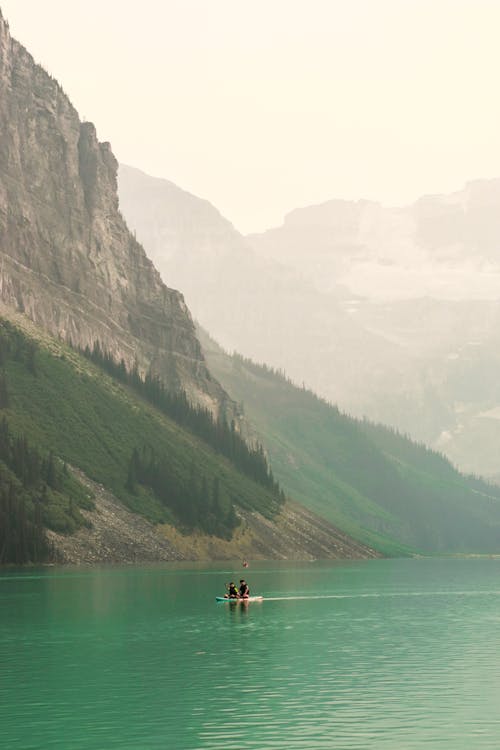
(67, 258)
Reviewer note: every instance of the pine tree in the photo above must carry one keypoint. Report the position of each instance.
(4, 394)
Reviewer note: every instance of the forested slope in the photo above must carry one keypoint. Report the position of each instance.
(59, 407)
(165, 459)
(372, 482)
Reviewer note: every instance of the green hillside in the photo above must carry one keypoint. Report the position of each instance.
(373, 483)
(66, 406)
(36, 492)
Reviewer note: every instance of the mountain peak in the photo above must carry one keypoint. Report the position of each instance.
(332, 213)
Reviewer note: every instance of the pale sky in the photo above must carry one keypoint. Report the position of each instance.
(262, 106)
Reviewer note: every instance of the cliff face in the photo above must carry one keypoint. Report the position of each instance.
(67, 258)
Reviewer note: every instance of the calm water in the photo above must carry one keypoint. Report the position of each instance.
(382, 654)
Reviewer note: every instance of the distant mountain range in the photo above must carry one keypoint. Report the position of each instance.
(338, 298)
(426, 278)
(260, 307)
(442, 246)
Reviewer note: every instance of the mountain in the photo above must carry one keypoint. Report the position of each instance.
(426, 278)
(338, 298)
(68, 260)
(374, 483)
(250, 304)
(442, 246)
(116, 442)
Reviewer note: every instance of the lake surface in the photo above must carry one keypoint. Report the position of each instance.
(393, 654)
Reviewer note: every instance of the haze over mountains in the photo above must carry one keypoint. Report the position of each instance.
(390, 312)
(117, 442)
(248, 303)
(442, 246)
(428, 278)
(390, 492)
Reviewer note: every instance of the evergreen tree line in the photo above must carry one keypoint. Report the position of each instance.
(25, 476)
(14, 344)
(22, 534)
(391, 440)
(420, 456)
(26, 462)
(261, 369)
(36, 491)
(196, 502)
(221, 436)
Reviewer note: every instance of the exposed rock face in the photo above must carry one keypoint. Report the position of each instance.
(67, 258)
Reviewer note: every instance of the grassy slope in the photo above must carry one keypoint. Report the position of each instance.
(377, 486)
(91, 421)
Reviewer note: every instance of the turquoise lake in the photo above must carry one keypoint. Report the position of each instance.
(393, 654)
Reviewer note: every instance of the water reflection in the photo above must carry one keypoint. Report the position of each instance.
(238, 609)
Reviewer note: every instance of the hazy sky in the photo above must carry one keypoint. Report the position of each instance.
(265, 105)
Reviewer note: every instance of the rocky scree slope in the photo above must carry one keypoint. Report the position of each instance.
(116, 535)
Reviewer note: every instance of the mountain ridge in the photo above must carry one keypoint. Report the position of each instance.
(68, 260)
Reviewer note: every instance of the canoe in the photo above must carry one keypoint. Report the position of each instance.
(239, 601)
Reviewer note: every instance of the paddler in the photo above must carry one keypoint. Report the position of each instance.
(232, 591)
(244, 591)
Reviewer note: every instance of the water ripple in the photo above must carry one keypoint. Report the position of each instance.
(391, 655)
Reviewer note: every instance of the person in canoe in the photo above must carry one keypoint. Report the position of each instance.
(232, 591)
(244, 591)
